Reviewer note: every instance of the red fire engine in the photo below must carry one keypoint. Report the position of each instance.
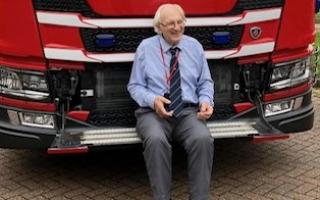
(65, 64)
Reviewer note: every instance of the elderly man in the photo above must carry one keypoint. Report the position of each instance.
(171, 82)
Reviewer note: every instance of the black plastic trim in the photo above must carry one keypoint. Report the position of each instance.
(23, 139)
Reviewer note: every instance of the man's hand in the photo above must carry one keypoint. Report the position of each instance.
(159, 104)
(205, 111)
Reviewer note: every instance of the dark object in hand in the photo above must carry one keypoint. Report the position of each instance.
(166, 106)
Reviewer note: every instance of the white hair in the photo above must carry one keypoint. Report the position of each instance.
(157, 16)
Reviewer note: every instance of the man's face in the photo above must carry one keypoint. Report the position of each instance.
(172, 25)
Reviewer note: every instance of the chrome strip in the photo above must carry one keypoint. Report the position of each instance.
(26, 94)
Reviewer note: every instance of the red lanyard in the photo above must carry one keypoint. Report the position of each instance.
(169, 74)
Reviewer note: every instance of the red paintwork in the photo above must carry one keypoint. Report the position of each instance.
(25, 63)
(287, 92)
(297, 28)
(257, 139)
(147, 8)
(69, 150)
(19, 33)
(288, 55)
(30, 105)
(61, 37)
(268, 32)
(61, 64)
(240, 107)
(261, 58)
(79, 115)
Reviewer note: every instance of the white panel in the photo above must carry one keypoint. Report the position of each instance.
(62, 19)
(219, 54)
(211, 21)
(76, 20)
(67, 54)
(258, 16)
(79, 55)
(121, 23)
(253, 49)
(115, 57)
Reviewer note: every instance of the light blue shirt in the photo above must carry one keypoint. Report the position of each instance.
(148, 76)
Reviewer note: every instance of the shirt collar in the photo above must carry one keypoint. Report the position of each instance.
(166, 46)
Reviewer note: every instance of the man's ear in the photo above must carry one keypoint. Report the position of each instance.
(159, 30)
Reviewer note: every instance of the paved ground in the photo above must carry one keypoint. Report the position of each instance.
(280, 170)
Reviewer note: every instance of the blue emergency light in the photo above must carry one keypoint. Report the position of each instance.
(105, 40)
(221, 37)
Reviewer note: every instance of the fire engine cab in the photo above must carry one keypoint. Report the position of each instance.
(65, 64)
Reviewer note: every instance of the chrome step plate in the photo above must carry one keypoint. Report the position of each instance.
(119, 136)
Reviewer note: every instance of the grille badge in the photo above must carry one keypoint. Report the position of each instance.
(255, 32)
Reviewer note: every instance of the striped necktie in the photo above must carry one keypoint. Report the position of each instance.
(175, 84)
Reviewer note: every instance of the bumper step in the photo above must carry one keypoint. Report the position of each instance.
(119, 136)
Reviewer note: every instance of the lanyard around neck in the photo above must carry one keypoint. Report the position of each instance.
(172, 69)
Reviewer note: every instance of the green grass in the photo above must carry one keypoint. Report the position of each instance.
(318, 18)
(317, 44)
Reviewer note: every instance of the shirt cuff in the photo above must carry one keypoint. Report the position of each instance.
(149, 99)
(206, 99)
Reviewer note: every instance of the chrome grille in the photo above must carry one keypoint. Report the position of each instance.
(112, 105)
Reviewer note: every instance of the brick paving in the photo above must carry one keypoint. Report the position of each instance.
(280, 170)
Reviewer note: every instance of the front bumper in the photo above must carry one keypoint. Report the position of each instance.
(248, 125)
(19, 137)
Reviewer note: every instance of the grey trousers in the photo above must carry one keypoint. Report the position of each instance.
(192, 133)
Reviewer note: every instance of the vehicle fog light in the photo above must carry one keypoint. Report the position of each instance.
(278, 108)
(37, 120)
(28, 117)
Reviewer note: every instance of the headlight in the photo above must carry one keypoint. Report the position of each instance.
(9, 80)
(27, 84)
(290, 74)
(34, 82)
